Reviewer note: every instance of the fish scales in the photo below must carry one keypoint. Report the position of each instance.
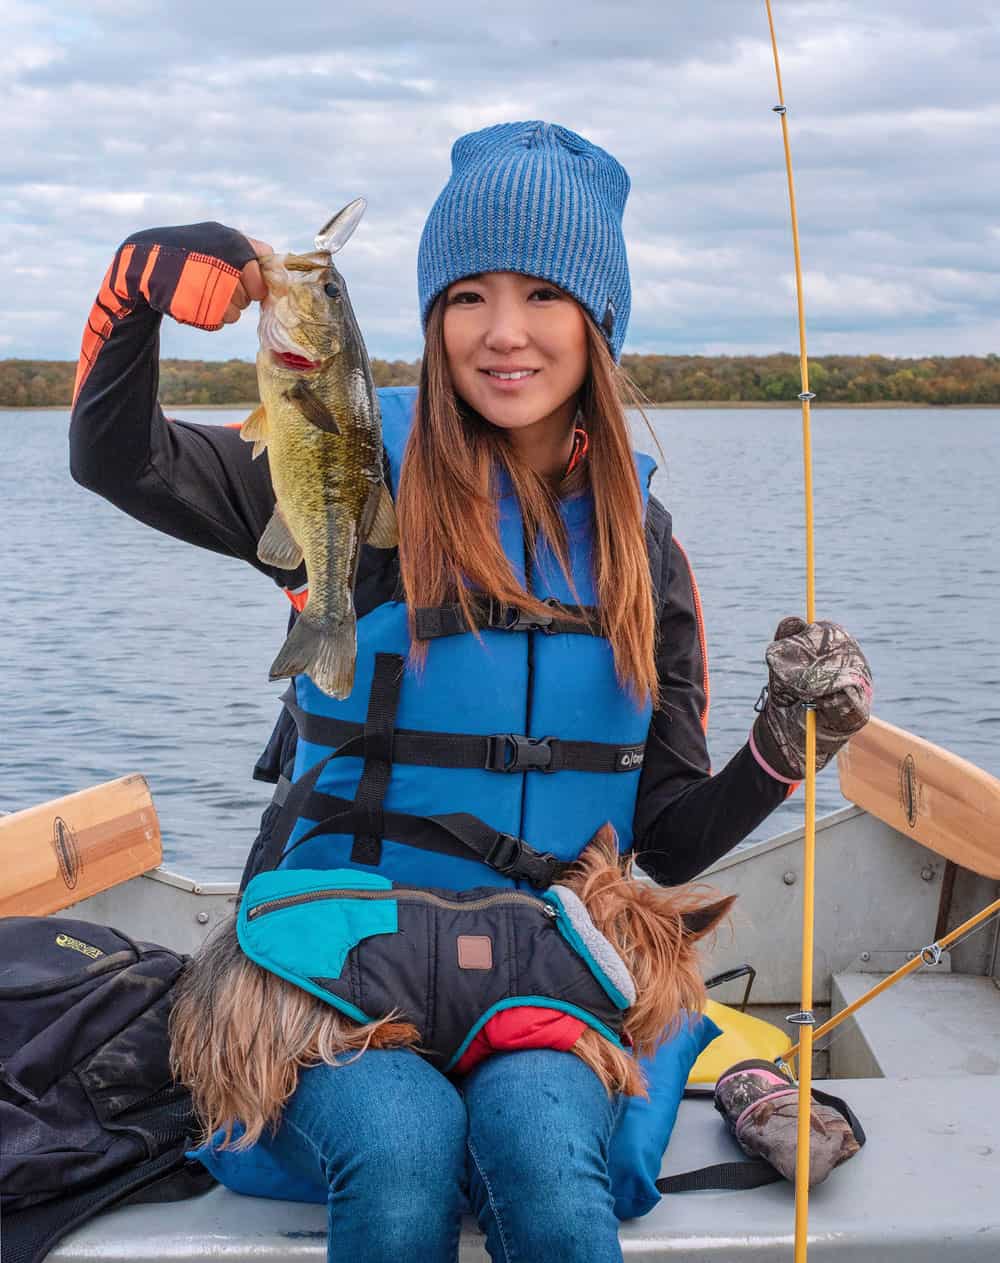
(319, 421)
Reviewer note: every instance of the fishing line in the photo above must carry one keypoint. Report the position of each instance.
(805, 1018)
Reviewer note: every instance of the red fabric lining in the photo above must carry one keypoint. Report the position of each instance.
(525, 1027)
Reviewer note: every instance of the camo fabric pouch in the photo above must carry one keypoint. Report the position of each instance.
(760, 1105)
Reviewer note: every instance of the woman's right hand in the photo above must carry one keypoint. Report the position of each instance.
(250, 287)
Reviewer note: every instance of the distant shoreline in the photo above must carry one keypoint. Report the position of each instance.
(691, 404)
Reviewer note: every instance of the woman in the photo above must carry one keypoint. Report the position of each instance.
(547, 670)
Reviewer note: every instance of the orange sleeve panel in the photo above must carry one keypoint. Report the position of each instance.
(203, 291)
(189, 273)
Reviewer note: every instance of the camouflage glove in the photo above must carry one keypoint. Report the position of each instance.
(816, 663)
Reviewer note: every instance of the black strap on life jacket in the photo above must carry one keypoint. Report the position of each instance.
(377, 740)
(456, 833)
(432, 621)
(495, 752)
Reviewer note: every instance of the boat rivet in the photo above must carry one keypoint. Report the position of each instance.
(927, 873)
(202, 918)
(789, 878)
(910, 955)
(866, 955)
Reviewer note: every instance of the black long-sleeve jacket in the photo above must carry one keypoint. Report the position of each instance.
(199, 484)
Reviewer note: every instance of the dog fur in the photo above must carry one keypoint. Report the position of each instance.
(240, 1035)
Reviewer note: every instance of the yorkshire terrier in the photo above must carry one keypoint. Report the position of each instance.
(240, 1034)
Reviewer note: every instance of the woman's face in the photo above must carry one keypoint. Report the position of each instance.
(516, 349)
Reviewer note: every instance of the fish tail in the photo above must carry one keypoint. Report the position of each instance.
(324, 652)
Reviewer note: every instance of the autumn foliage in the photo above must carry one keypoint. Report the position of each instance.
(847, 379)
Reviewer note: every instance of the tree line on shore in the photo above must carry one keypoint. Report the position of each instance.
(858, 379)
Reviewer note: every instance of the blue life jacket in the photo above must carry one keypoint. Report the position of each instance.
(522, 730)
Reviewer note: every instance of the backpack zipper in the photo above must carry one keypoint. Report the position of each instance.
(419, 896)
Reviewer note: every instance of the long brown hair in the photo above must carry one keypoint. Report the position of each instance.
(240, 1036)
(447, 506)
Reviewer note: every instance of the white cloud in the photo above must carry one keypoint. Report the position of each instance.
(119, 116)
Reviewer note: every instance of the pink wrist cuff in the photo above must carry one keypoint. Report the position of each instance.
(785, 780)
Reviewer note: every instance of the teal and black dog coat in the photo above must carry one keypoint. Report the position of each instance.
(473, 970)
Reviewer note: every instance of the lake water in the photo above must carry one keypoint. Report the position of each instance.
(128, 651)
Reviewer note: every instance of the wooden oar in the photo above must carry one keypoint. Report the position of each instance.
(60, 852)
(940, 800)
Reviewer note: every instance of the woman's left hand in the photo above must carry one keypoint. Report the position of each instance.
(817, 664)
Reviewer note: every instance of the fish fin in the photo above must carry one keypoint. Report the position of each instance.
(254, 428)
(258, 447)
(336, 232)
(303, 263)
(326, 654)
(384, 530)
(312, 407)
(278, 546)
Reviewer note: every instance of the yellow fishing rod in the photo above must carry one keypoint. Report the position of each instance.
(805, 1019)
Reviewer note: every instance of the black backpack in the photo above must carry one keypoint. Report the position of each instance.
(89, 1114)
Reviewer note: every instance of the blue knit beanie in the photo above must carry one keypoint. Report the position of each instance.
(538, 199)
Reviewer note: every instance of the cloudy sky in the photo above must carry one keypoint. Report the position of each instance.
(125, 114)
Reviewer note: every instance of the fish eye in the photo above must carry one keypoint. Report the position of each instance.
(331, 290)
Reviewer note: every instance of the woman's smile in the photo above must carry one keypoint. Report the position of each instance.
(504, 378)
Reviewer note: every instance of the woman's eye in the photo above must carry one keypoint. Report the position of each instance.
(546, 294)
(464, 296)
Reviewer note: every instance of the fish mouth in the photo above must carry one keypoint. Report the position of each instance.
(297, 362)
(286, 350)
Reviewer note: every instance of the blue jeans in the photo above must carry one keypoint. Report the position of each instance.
(404, 1152)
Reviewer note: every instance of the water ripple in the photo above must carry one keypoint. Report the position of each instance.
(124, 665)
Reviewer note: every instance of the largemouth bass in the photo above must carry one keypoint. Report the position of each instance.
(319, 420)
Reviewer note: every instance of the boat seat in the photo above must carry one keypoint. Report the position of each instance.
(933, 1023)
(923, 1189)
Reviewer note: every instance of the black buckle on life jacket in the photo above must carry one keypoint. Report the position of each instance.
(506, 853)
(502, 617)
(511, 752)
(513, 857)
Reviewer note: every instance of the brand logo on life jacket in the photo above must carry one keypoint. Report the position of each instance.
(631, 758)
(64, 844)
(909, 790)
(76, 945)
